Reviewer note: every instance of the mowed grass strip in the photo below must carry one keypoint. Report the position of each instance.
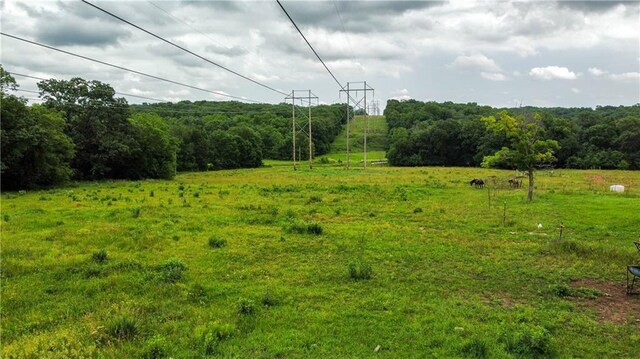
(394, 262)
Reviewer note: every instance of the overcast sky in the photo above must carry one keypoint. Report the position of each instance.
(564, 53)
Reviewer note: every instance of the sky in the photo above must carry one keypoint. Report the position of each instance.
(498, 53)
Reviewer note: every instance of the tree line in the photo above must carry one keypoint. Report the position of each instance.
(82, 131)
(450, 134)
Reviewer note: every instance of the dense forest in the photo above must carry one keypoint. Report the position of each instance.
(449, 134)
(82, 131)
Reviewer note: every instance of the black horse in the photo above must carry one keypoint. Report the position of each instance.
(478, 183)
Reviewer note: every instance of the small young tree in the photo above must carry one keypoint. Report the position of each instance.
(527, 148)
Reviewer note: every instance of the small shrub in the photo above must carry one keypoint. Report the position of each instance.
(314, 199)
(135, 212)
(99, 256)
(6, 218)
(529, 342)
(560, 290)
(246, 307)
(197, 294)
(290, 214)
(171, 271)
(314, 228)
(181, 194)
(181, 187)
(214, 335)
(156, 348)
(360, 271)
(475, 348)
(215, 242)
(152, 193)
(196, 194)
(123, 328)
(175, 237)
(268, 299)
(417, 210)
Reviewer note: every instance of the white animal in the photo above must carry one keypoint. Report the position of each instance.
(539, 225)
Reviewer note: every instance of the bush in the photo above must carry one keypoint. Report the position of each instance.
(214, 335)
(360, 271)
(417, 210)
(197, 294)
(215, 242)
(171, 271)
(135, 212)
(123, 328)
(475, 348)
(99, 256)
(155, 348)
(314, 228)
(560, 290)
(314, 199)
(268, 299)
(529, 342)
(246, 307)
(302, 228)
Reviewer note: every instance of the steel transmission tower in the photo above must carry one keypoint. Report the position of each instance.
(308, 97)
(359, 99)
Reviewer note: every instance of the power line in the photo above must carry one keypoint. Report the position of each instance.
(126, 69)
(183, 49)
(117, 93)
(308, 43)
(189, 25)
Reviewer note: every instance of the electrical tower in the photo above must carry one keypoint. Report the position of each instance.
(360, 90)
(308, 97)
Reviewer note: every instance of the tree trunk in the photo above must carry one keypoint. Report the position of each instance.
(530, 195)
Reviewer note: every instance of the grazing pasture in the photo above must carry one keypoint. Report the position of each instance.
(389, 262)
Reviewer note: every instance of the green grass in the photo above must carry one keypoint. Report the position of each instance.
(376, 138)
(84, 276)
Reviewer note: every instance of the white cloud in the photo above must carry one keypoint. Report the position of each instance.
(627, 76)
(493, 76)
(478, 62)
(597, 72)
(401, 95)
(552, 73)
(575, 90)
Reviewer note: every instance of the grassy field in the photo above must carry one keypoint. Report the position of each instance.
(266, 263)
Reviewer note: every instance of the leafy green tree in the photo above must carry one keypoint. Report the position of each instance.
(35, 150)
(98, 124)
(155, 153)
(527, 150)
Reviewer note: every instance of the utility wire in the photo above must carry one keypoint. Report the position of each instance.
(117, 93)
(184, 21)
(308, 43)
(183, 49)
(126, 69)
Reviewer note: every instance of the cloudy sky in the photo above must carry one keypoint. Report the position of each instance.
(540, 53)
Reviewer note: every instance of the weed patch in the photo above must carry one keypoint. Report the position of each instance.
(99, 256)
(360, 271)
(475, 348)
(171, 271)
(246, 307)
(217, 242)
(123, 328)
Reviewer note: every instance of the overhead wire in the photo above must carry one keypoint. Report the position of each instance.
(183, 21)
(126, 69)
(308, 43)
(117, 93)
(183, 48)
